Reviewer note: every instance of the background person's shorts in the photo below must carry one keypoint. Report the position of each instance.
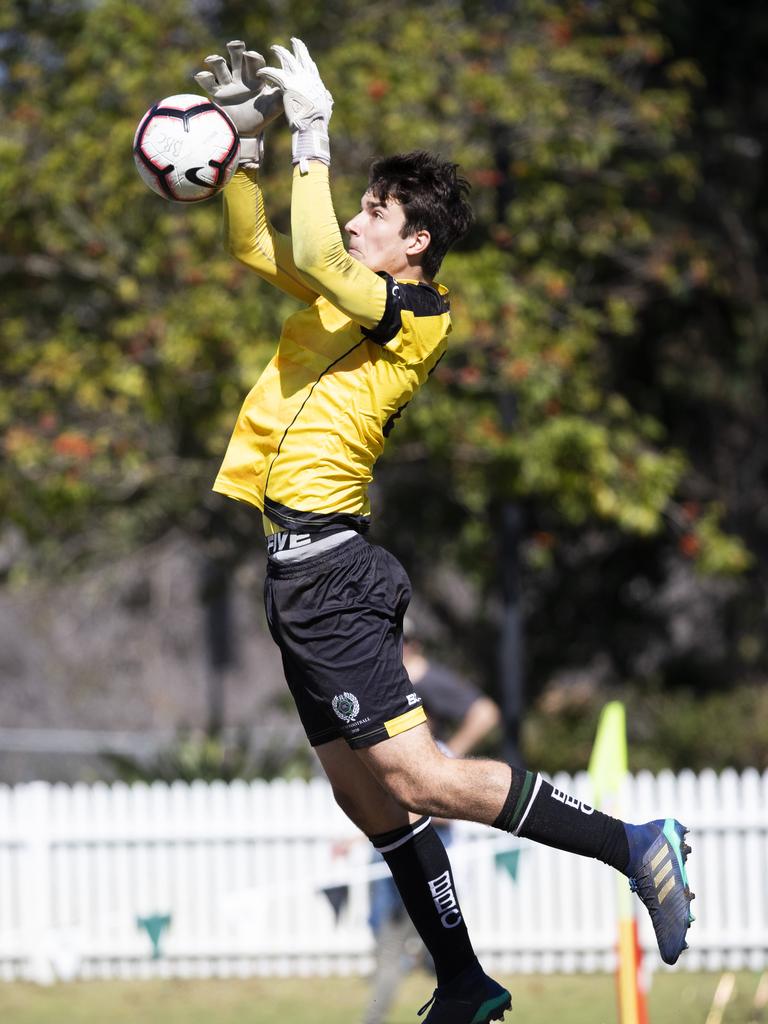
(338, 621)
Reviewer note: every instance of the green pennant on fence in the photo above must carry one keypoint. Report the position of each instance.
(154, 926)
(508, 859)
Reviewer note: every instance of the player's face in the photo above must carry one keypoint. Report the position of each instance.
(375, 238)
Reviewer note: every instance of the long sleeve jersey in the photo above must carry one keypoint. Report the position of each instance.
(311, 429)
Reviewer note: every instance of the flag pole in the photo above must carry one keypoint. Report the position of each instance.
(608, 768)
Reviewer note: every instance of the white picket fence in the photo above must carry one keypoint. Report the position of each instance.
(240, 870)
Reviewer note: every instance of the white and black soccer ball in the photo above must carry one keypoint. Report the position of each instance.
(186, 148)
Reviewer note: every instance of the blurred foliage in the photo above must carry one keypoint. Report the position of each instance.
(192, 756)
(207, 757)
(143, 336)
(664, 730)
(607, 363)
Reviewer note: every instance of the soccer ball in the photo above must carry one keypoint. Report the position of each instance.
(186, 148)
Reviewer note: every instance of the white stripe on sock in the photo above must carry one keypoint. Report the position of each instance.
(529, 805)
(399, 842)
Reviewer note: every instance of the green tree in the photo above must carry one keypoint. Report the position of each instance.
(128, 338)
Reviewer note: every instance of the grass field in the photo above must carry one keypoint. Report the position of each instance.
(674, 999)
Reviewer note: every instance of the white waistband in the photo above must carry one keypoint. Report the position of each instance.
(292, 547)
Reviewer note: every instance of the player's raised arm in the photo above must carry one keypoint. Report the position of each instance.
(318, 248)
(251, 238)
(252, 104)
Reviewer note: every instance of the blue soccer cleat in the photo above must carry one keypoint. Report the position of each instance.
(471, 998)
(656, 869)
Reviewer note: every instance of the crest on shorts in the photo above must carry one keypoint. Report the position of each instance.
(346, 706)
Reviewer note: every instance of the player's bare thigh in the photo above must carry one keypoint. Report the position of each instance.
(407, 765)
(416, 773)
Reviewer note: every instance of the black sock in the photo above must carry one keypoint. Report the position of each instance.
(422, 873)
(536, 810)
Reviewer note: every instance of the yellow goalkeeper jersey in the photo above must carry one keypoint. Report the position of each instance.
(311, 429)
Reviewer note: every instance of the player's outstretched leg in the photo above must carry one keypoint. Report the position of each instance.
(652, 855)
(656, 869)
(471, 998)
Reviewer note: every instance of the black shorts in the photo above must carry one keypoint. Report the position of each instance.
(338, 621)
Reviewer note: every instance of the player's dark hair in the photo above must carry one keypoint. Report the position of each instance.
(433, 197)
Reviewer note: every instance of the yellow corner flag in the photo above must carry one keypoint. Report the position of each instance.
(608, 763)
(608, 768)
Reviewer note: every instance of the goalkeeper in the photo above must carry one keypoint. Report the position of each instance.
(372, 326)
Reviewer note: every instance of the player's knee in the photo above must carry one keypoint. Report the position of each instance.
(409, 788)
(348, 802)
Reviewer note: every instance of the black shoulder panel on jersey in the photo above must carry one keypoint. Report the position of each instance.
(419, 299)
(313, 522)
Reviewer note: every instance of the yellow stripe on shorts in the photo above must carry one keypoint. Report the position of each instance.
(405, 722)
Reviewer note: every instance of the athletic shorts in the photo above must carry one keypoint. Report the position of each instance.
(338, 621)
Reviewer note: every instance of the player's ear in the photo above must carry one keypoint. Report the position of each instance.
(418, 242)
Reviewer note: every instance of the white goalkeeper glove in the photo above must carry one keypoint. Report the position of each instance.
(251, 103)
(308, 104)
